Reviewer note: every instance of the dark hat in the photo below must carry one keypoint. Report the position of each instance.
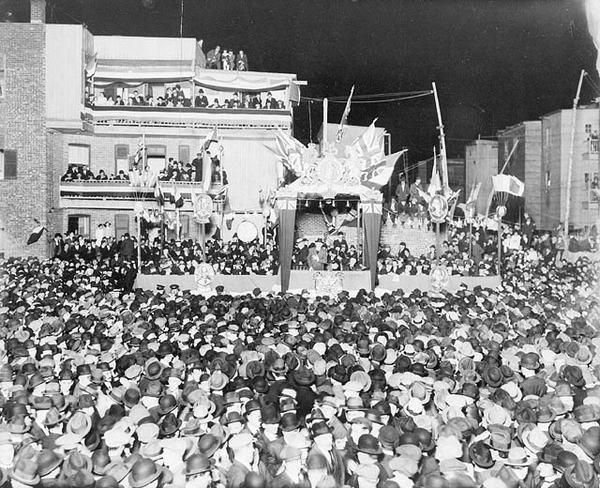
(208, 444)
(270, 415)
(320, 428)
(82, 479)
(481, 455)
(564, 460)
(493, 376)
(587, 413)
(389, 436)
(144, 472)
(590, 441)
(304, 376)
(166, 403)
(169, 425)
(369, 444)
(47, 461)
(197, 463)
(100, 460)
(581, 475)
(573, 375)
(289, 422)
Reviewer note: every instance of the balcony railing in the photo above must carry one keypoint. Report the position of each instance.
(121, 191)
(186, 117)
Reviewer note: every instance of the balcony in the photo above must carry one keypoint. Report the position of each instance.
(121, 195)
(125, 118)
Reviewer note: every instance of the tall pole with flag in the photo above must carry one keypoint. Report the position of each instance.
(442, 137)
(344, 119)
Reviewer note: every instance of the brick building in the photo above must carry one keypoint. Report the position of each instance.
(48, 73)
(481, 163)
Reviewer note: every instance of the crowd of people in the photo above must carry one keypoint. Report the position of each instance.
(227, 258)
(225, 59)
(176, 97)
(104, 386)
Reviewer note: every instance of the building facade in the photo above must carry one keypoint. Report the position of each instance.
(541, 160)
(481, 163)
(525, 164)
(58, 88)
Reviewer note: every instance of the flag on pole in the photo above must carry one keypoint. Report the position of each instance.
(176, 198)
(369, 146)
(289, 151)
(139, 158)
(158, 194)
(212, 139)
(36, 234)
(435, 185)
(379, 174)
(344, 120)
(508, 184)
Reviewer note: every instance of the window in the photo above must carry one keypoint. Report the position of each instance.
(2, 75)
(121, 225)
(588, 128)
(79, 224)
(157, 158)
(184, 154)
(79, 155)
(121, 158)
(586, 179)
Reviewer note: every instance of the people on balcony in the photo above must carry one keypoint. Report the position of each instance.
(213, 58)
(175, 97)
(101, 176)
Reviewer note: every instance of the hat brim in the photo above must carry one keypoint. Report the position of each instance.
(143, 482)
(35, 481)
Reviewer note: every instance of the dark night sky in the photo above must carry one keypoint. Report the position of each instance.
(495, 62)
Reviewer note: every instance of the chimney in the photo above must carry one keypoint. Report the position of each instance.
(38, 11)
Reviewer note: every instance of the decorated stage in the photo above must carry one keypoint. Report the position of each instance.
(322, 282)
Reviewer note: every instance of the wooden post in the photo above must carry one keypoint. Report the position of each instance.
(570, 170)
(438, 244)
(499, 246)
(162, 227)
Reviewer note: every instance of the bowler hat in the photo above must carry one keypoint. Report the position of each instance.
(369, 444)
(481, 455)
(144, 472)
(196, 464)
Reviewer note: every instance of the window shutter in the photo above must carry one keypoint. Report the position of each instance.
(10, 164)
(121, 225)
(184, 154)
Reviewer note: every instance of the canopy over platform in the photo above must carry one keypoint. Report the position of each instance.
(325, 177)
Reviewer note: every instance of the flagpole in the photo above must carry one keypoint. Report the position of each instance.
(139, 246)
(570, 171)
(325, 116)
(442, 137)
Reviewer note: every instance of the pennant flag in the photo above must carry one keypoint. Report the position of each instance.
(210, 141)
(369, 146)
(379, 175)
(35, 235)
(176, 198)
(140, 156)
(592, 12)
(508, 184)
(344, 120)
(160, 197)
(474, 194)
(435, 184)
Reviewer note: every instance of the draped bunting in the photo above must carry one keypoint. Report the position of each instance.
(286, 212)
(238, 82)
(371, 215)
